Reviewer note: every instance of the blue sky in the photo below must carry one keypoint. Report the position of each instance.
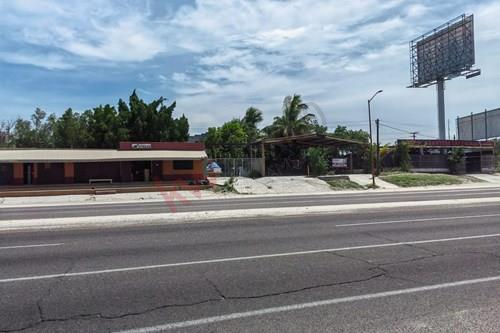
(218, 57)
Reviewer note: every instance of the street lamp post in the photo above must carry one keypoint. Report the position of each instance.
(371, 138)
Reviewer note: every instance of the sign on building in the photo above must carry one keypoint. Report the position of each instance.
(339, 162)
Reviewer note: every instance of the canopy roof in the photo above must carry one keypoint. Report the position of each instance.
(96, 155)
(311, 140)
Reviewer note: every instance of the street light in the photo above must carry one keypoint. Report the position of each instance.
(371, 139)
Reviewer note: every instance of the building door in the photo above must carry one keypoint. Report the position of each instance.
(141, 171)
(5, 173)
(156, 172)
(28, 173)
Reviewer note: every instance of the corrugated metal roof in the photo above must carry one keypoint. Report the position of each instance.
(96, 155)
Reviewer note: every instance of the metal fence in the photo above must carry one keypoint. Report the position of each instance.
(239, 167)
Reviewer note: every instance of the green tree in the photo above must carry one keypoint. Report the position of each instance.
(36, 133)
(67, 130)
(316, 158)
(252, 118)
(455, 158)
(294, 119)
(213, 142)
(402, 156)
(345, 133)
(229, 140)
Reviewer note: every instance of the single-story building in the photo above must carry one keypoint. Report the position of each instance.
(131, 162)
(432, 155)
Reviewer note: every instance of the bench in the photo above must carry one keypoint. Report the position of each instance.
(100, 180)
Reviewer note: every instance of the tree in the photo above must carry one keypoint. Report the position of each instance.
(36, 133)
(294, 119)
(102, 127)
(229, 140)
(316, 158)
(5, 133)
(67, 130)
(455, 158)
(213, 142)
(343, 132)
(252, 118)
(402, 156)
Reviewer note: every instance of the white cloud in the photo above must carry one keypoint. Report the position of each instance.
(48, 61)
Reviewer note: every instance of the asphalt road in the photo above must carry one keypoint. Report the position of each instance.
(426, 270)
(184, 205)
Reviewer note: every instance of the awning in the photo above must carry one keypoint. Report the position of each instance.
(95, 155)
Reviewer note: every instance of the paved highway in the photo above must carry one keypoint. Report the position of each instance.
(425, 270)
(184, 205)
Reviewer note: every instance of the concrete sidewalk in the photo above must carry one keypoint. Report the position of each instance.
(366, 180)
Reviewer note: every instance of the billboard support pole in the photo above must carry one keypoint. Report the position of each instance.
(485, 124)
(441, 114)
(471, 126)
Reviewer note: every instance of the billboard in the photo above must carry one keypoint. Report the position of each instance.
(479, 126)
(443, 53)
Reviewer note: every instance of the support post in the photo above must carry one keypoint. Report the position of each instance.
(471, 126)
(371, 145)
(441, 113)
(485, 124)
(378, 145)
(458, 128)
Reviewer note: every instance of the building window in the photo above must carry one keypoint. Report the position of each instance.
(183, 165)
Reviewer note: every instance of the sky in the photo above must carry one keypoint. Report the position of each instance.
(218, 57)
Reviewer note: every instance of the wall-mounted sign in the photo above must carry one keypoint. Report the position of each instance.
(339, 162)
(141, 146)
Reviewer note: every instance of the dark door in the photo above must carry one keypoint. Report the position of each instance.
(156, 173)
(28, 173)
(141, 171)
(5, 173)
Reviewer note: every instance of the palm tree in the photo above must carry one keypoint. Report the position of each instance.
(252, 117)
(294, 120)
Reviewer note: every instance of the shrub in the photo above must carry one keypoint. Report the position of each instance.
(402, 156)
(455, 158)
(318, 164)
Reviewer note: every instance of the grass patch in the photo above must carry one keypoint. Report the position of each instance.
(422, 179)
(344, 184)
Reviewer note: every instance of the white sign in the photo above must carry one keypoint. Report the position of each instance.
(141, 146)
(339, 162)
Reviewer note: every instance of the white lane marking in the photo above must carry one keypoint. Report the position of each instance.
(302, 306)
(28, 246)
(416, 220)
(221, 260)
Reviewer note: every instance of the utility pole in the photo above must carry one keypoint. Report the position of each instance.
(377, 122)
(371, 137)
(414, 135)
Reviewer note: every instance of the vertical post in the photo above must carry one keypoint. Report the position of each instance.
(449, 132)
(485, 124)
(378, 145)
(371, 144)
(458, 128)
(441, 113)
(471, 127)
(263, 158)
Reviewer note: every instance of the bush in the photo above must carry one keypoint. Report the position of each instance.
(402, 156)
(227, 187)
(318, 164)
(455, 158)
